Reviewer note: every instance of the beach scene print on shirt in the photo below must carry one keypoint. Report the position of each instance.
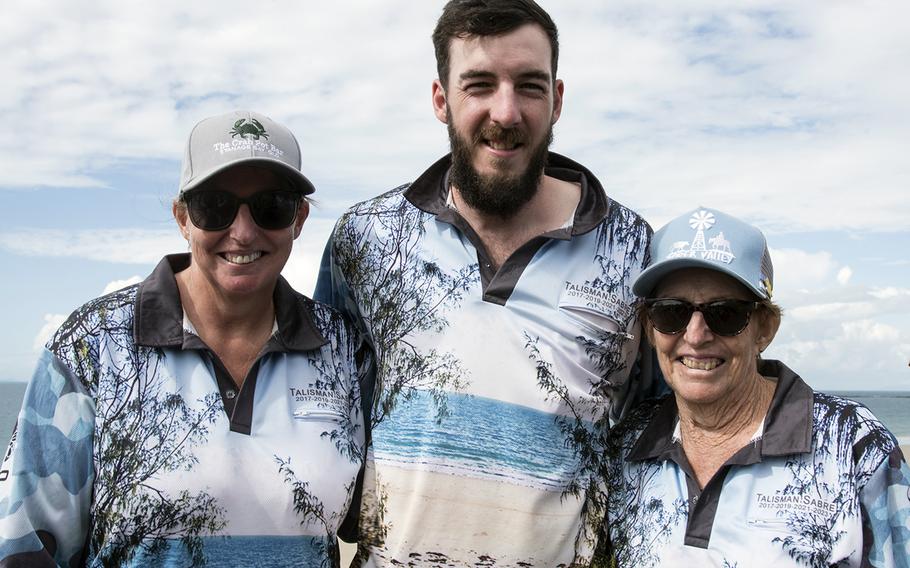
(492, 414)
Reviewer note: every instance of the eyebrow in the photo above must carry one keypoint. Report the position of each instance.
(478, 74)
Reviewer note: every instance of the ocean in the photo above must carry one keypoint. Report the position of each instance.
(259, 551)
(490, 449)
(891, 407)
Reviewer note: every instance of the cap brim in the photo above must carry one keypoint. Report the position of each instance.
(648, 279)
(295, 176)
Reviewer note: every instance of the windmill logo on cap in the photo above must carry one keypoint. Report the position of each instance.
(702, 221)
(250, 130)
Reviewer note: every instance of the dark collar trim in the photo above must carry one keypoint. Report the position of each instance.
(158, 320)
(788, 425)
(656, 440)
(429, 191)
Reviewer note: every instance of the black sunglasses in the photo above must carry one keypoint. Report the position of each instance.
(724, 317)
(215, 210)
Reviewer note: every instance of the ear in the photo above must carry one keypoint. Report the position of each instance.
(769, 324)
(303, 211)
(440, 107)
(557, 100)
(180, 215)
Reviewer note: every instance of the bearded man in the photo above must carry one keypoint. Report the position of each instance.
(495, 291)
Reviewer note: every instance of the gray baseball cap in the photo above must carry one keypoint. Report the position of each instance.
(241, 137)
(708, 238)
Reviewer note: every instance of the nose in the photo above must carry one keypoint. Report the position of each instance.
(244, 228)
(505, 110)
(697, 330)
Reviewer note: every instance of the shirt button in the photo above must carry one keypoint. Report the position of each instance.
(230, 394)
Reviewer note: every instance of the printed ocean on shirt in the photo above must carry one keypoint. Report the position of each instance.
(493, 389)
(124, 454)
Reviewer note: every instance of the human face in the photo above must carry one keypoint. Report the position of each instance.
(500, 106)
(700, 366)
(243, 258)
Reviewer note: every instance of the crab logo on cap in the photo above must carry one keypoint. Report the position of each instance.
(252, 130)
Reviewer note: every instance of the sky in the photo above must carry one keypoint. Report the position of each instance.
(794, 116)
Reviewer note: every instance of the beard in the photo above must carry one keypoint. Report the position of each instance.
(499, 194)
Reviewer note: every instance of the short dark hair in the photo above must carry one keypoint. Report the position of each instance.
(464, 18)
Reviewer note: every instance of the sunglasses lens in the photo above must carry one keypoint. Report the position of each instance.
(215, 210)
(274, 210)
(723, 317)
(212, 210)
(670, 316)
(728, 317)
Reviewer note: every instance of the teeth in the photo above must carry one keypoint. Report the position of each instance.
(243, 258)
(701, 364)
(502, 145)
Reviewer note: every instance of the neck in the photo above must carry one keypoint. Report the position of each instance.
(739, 413)
(549, 209)
(214, 313)
(713, 433)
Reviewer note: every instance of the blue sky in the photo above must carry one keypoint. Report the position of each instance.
(794, 116)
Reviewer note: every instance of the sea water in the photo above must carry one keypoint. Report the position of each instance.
(891, 407)
(478, 437)
(10, 401)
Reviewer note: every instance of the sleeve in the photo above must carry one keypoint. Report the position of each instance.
(325, 291)
(47, 474)
(332, 289)
(885, 501)
(646, 381)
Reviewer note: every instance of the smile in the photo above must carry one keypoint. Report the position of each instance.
(502, 145)
(701, 364)
(242, 258)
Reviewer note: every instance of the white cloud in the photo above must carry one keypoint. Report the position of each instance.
(844, 275)
(51, 323)
(118, 284)
(302, 268)
(847, 338)
(775, 111)
(846, 355)
(796, 269)
(112, 245)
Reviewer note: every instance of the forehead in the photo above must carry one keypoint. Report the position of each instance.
(524, 49)
(700, 285)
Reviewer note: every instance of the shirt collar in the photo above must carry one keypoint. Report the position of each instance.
(158, 320)
(430, 192)
(787, 428)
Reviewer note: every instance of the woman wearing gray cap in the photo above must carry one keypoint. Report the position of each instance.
(208, 415)
(743, 464)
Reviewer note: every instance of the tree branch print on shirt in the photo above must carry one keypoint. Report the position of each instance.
(140, 433)
(854, 439)
(398, 292)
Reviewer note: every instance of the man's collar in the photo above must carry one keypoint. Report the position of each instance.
(158, 320)
(787, 427)
(430, 191)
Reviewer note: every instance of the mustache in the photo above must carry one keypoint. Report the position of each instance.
(496, 133)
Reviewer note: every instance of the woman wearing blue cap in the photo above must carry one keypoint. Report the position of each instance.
(208, 415)
(743, 464)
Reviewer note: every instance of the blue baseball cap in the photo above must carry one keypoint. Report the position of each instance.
(708, 238)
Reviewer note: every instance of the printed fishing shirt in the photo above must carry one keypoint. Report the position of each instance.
(825, 484)
(135, 448)
(493, 387)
